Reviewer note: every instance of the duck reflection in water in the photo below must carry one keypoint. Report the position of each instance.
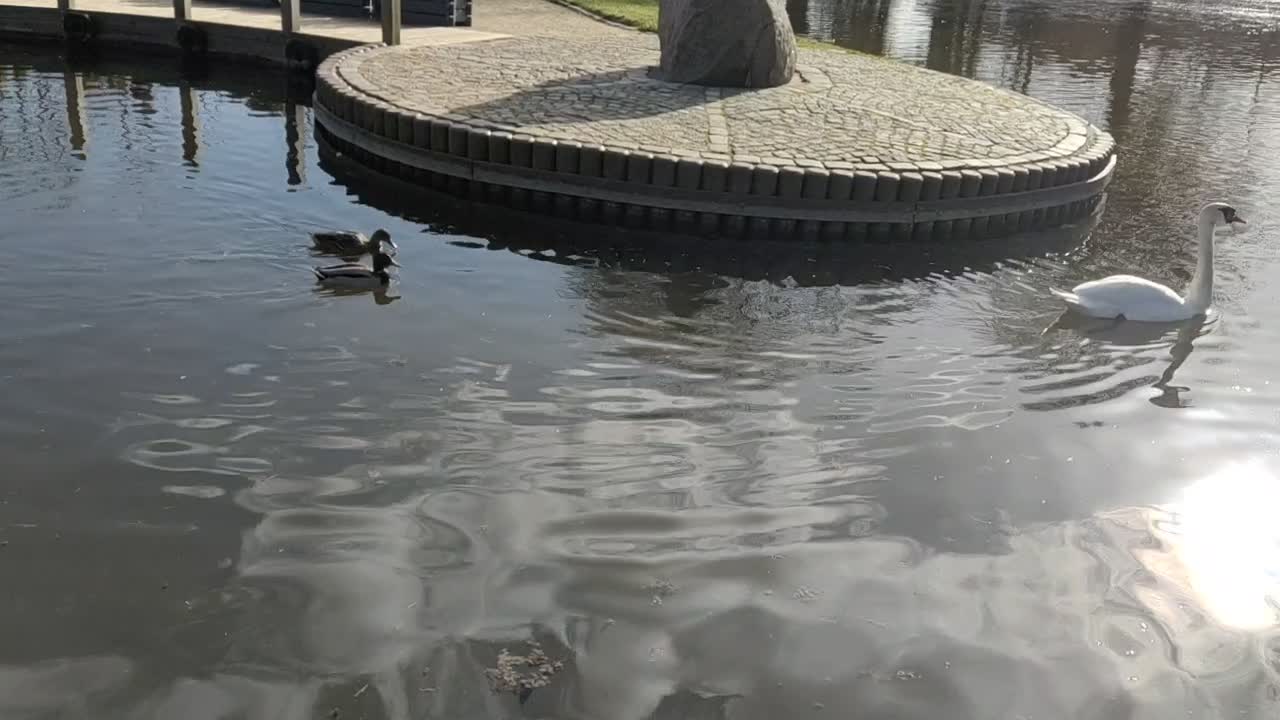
(1123, 334)
(380, 294)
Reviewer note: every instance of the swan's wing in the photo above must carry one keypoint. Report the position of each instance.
(1126, 295)
(1126, 287)
(1076, 304)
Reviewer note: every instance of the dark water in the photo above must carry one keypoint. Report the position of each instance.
(716, 481)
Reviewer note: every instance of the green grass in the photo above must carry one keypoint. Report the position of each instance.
(812, 44)
(639, 14)
(643, 15)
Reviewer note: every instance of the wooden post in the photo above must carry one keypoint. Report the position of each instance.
(290, 16)
(391, 21)
(181, 10)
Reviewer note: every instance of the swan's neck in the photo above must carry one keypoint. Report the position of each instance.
(1200, 292)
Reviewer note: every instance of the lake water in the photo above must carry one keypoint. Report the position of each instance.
(716, 481)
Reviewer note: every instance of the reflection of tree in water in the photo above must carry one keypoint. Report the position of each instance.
(1129, 34)
(1026, 40)
(956, 36)
(798, 12)
(1101, 31)
(859, 24)
(1171, 165)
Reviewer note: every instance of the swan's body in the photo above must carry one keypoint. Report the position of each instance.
(355, 275)
(350, 242)
(1126, 297)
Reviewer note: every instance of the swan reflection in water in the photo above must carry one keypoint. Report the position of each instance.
(1188, 331)
(1119, 333)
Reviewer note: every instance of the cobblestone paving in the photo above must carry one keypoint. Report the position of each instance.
(841, 110)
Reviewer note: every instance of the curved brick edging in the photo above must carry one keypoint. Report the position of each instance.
(712, 191)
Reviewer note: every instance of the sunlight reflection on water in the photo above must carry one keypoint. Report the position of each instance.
(1226, 543)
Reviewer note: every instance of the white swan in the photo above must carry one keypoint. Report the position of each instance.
(1125, 297)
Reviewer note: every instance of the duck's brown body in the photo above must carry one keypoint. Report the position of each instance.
(350, 242)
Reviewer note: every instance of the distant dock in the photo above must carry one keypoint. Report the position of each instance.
(281, 36)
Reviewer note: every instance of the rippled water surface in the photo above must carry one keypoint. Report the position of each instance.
(716, 481)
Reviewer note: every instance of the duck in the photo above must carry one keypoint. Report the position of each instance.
(1131, 298)
(355, 275)
(351, 242)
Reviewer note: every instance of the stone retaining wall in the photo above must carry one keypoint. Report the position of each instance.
(701, 195)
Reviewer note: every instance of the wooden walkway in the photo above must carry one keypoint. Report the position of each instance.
(353, 30)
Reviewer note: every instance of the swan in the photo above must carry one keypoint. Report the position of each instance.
(355, 275)
(1126, 297)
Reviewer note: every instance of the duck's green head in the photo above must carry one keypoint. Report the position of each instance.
(381, 236)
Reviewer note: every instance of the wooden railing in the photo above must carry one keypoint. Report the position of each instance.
(291, 16)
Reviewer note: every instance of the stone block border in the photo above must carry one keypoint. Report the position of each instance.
(723, 196)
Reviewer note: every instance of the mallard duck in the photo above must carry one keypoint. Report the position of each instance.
(350, 242)
(357, 275)
(1125, 297)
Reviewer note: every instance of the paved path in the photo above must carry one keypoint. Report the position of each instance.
(842, 110)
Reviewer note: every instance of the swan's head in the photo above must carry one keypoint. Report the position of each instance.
(1222, 214)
